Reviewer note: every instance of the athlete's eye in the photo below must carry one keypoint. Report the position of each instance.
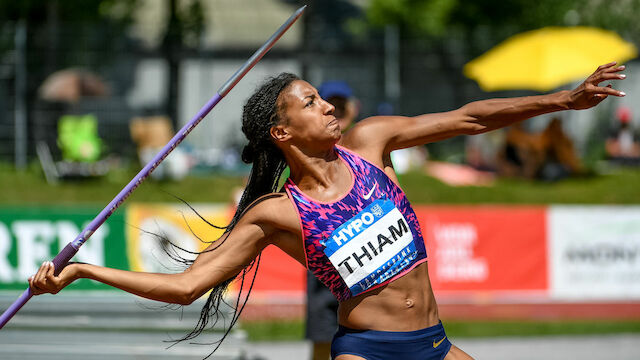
(311, 102)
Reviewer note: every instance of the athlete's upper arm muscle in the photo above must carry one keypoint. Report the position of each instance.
(376, 136)
(227, 256)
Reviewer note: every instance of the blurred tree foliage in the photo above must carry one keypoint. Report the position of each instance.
(94, 34)
(185, 25)
(63, 33)
(38, 11)
(484, 23)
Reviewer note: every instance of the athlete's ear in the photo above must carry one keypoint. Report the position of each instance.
(279, 133)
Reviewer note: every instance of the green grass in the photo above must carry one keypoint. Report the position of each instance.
(290, 330)
(294, 330)
(29, 187)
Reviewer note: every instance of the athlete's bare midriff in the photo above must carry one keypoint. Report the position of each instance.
(405, 304)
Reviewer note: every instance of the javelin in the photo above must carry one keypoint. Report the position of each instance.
(72, 248)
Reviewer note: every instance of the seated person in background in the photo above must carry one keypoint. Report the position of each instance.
(622, 143)
(340, 95)
(549, 155)
(151, 134)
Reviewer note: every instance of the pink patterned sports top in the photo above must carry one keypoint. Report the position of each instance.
(366, 239)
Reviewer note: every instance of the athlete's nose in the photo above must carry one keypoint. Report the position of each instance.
(329, 108)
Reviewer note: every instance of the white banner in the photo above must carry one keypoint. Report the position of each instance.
(594, 252)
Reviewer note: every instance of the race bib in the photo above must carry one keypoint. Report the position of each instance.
(371, 247)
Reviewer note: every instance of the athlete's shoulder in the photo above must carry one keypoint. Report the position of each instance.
(274, 209)
(367, 140)
(364, 133)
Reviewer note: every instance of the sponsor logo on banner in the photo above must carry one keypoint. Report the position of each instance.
(371, 247)
(486, 250)
(162, 229)
(595, 252)
(455, 243)
(30, 236)
(37, 241)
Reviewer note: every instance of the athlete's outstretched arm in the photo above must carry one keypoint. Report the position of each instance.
(229, 255)
(389, 133)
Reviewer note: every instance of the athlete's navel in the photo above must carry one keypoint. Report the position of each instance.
(409, 303)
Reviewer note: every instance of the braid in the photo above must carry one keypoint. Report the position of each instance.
(260, 113)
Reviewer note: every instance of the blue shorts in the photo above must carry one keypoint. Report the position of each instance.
(427, 344)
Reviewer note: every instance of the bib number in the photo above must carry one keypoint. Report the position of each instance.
(372, 247)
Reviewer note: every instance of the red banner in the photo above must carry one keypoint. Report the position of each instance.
(485, 248)
(472, 250)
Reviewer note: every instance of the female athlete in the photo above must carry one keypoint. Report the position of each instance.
(342, 214)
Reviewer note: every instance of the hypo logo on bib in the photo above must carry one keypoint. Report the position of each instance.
(372, 246)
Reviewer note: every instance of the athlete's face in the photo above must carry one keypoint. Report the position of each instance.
(306, 117)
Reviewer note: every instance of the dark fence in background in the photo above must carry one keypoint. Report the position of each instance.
(7, 93)
(412, 75)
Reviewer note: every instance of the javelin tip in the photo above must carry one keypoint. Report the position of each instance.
(301, 9)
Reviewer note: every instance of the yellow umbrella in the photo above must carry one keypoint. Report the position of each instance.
(547, 58)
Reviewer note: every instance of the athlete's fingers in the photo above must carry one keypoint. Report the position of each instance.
(603, 96)
(597, 75)
(606, 73)
(33, 287)
(606, 66)
(609, 76)
(39, 276)
(608, 90)
(616, 68)
(50, 270)
(40, 279)
(35, 281)
(53, 282)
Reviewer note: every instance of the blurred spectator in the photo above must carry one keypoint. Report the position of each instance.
(151, 134)
(61, 121)
(72, 84)
(340, 95)
(481, 150)
(403, 160)
(623, 145)
(549, 155)
(458, 174)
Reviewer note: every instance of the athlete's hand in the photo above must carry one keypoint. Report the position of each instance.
(44, 281)
(590, 93)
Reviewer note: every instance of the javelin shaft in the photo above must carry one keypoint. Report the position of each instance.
(72, 248)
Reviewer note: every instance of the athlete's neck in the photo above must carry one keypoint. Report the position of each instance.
(316, 171)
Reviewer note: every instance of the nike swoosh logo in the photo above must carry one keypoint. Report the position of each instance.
(436, 344)
(366, 197)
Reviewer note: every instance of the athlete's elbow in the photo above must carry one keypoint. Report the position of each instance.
(186, 300)
(187, 296)
(186, 292)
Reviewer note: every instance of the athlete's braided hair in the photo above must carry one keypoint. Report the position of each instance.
(262, 111)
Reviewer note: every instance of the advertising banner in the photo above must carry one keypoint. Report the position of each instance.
(594, 252)
(153, 226)
(158, 236)
(30, 236)
(495, 253)
(485, 249)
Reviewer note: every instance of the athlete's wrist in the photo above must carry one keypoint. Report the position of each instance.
(77, 271)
